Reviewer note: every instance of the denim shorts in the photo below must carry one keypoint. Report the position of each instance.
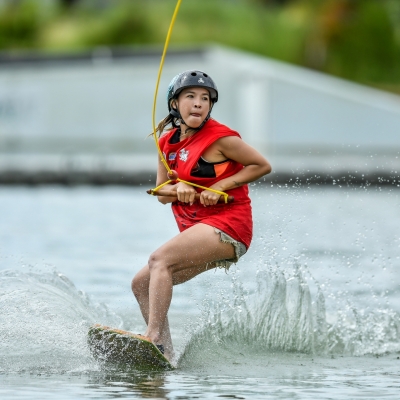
(240, 250)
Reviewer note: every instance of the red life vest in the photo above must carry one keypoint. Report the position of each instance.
(235, 218)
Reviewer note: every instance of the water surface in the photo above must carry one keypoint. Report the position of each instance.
(311, 311)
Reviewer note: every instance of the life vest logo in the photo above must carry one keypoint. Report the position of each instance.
(183, 155)
(172, 156)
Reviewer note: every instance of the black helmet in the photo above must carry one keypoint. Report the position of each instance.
(191, 78)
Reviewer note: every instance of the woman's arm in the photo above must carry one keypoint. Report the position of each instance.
(231, 147)
(161, 178)
(255, 166)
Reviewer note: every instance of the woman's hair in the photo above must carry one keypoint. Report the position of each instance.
(161, 127)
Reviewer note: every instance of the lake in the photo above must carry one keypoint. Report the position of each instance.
(312, 310)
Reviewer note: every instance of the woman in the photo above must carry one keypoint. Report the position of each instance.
(212, 234)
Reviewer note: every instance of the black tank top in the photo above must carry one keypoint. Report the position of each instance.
(203, 168)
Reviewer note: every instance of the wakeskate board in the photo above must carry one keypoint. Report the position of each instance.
(122, 347)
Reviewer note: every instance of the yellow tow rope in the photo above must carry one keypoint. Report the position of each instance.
(163, 160)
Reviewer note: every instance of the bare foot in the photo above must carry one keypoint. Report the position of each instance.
(169, 354)
(156, 339)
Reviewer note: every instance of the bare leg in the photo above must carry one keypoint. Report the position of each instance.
(177, 261)
(140, 288)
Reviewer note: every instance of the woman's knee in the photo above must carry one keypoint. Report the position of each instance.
(157, 262)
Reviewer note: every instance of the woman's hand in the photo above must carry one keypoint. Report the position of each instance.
(208, 198)
(185, 193)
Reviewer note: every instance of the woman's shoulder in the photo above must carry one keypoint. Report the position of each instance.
(221, 129)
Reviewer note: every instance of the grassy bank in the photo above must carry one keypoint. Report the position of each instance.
(356, 40)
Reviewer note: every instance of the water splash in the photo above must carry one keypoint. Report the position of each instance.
(282, 315)
(357, 332)
(44, 322)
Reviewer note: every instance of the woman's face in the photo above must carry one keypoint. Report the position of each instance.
(194, 104)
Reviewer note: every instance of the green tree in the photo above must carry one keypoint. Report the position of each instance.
(19, 25)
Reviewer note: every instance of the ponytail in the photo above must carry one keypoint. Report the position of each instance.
(169, 119)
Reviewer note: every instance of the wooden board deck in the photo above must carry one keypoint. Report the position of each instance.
(122, 347)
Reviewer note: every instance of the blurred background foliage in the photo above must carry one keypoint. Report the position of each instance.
(353, 39)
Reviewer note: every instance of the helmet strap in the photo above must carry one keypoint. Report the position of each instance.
(177, 115)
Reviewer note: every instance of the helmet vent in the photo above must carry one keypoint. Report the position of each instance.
(193, 74)
(205, 75)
